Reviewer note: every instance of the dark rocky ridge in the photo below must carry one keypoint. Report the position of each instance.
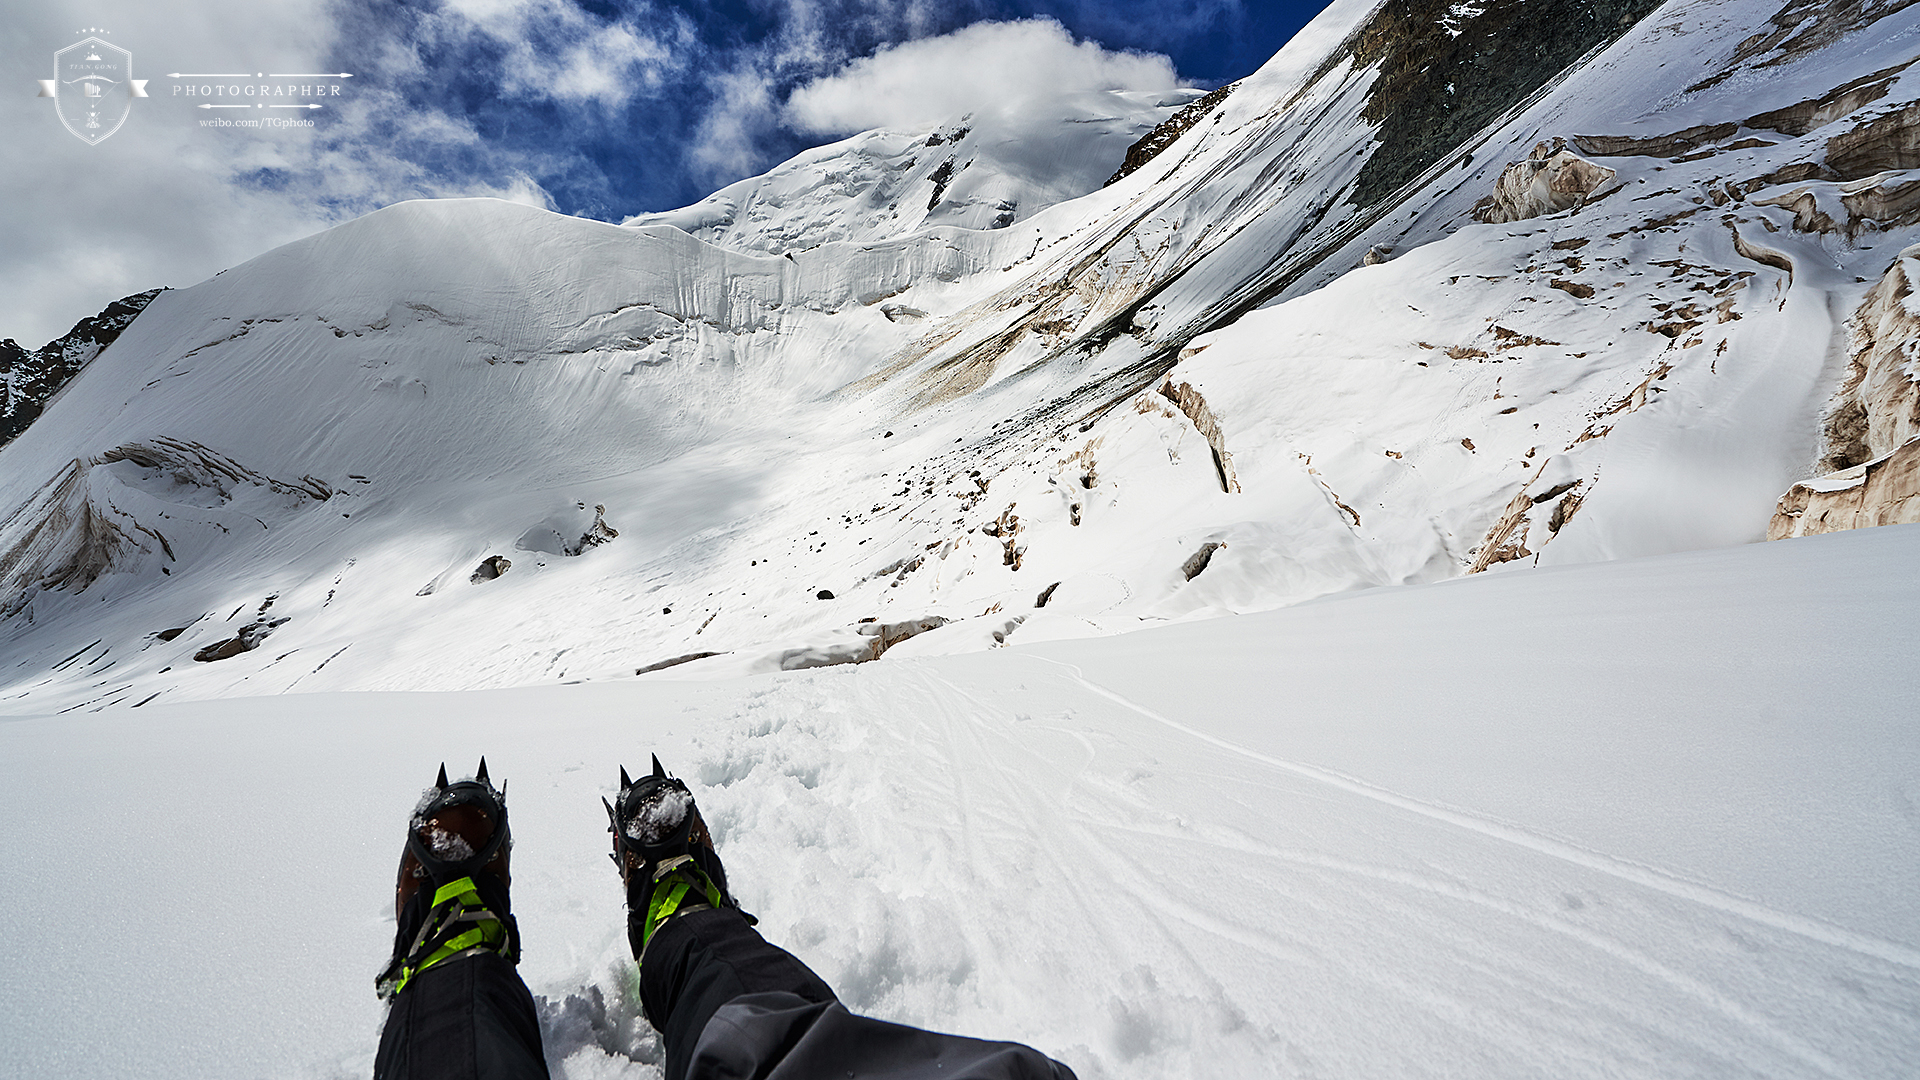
(29, 379)
(1446, 72)
(1149, 145)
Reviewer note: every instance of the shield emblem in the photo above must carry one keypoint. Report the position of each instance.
(93, 88)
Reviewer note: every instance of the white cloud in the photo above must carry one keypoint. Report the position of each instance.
(556, 50)
(989, 65)
(726, 145)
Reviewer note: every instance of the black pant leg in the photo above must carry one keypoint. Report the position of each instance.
(729, 1004)
(700, 961)
(466, 1019)
(777, 1036)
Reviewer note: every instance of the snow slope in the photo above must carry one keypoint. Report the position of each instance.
(1648, 818)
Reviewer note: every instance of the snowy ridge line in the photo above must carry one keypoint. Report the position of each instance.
(1814, 929)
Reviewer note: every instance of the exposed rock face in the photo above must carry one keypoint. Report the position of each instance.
(1873, 432)
(1884, 491)
(1195, 407)
(1885, 143)
(1881, 388)
(1552, 179)
(1446, 70)
(28, 379)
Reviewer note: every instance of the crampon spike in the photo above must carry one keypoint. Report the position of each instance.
(625, 780)
(657, 769)
(442, 781)
(610, 815)
(481, 773)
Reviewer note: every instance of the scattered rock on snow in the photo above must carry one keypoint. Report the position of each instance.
(1197, 561)
(491, 567)
(552, 534)
(247, 640)
(675, 661)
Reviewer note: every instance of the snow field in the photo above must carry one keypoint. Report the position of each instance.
(1669, 836)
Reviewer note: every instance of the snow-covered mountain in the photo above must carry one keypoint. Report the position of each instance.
(1518, 304)
(979, 172)
(1349, 326)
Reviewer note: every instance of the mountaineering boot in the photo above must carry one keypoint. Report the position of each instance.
(665, 855)
(457, 843)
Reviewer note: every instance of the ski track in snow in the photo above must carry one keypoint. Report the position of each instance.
(1639, 875)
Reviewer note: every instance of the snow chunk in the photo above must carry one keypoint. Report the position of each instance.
(657, 814)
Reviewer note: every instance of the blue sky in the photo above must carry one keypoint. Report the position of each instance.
(601, 108)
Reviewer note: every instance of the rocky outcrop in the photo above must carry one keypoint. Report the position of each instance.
(1550, 180)
(1886, 143)
(1873, 431)
(491, 567)
(1195, 407)
(29, 379)
(1197, 562)
(247, 640)
(1884, 491)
